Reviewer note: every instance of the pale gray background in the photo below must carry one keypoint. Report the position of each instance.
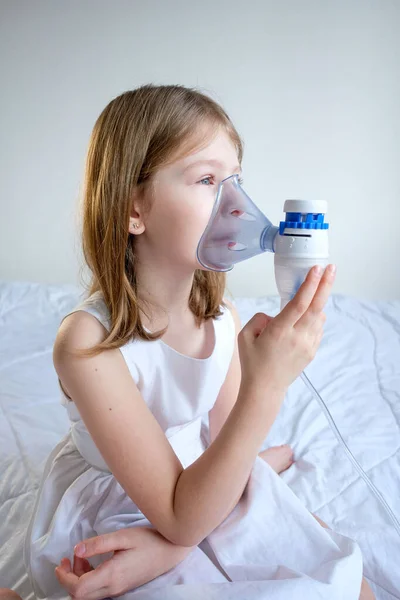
(312, 86)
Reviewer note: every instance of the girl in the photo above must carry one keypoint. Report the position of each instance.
(152, 356)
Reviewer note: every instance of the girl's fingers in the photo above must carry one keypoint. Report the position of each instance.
(314, 311)
(295, 309)
(81, 566)
(67, 579)
(95, 584)
(91, 586)
(107, 542)
(65, 563)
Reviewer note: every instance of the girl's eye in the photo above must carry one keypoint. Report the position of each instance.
(206, 178)
(240, 179)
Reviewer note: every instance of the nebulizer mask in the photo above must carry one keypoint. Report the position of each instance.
(238, 230)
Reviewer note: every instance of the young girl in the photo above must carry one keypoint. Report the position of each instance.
(153, 356)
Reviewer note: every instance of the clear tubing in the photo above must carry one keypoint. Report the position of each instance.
(350, 455)
(290, 273)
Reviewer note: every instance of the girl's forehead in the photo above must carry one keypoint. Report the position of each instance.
(218, 149)
(206, 144)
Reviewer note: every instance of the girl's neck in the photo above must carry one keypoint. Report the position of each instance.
(163, 288)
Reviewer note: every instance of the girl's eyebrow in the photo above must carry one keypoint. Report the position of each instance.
(214, 163)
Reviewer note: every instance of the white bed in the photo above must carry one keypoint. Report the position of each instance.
(357, 371)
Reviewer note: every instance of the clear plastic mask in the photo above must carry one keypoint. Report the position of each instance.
(236, 231)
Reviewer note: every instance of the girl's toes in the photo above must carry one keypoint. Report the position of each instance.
(279, 458)
(6, 594)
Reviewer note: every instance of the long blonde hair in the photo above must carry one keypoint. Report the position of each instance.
(137, 133)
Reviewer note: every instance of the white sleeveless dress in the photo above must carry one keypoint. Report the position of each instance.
(270, 546)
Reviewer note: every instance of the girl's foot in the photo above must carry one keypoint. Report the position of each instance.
(6, 594)
(279, 457)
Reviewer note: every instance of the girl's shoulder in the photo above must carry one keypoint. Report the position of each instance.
(93, 305)
(85, 325)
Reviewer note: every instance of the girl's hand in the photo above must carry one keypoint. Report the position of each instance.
(274, 351)
(140, 555)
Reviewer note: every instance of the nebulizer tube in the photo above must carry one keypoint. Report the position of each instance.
(357, 466)
(238, 230)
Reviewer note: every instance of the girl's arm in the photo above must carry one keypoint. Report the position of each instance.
(184, 505)
(230, 389)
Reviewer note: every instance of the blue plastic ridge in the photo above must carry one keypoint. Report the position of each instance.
(296, 221)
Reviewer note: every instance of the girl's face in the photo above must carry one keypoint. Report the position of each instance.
(184, 195)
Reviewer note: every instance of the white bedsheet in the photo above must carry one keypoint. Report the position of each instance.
(357, 372)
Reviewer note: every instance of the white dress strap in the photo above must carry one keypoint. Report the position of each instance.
(96, 306)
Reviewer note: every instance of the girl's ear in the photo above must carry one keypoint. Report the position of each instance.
(136, 224)
(136, 228)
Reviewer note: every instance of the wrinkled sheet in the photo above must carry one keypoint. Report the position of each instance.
(356, 371)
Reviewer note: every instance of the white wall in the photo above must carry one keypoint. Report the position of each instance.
(313, 87)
